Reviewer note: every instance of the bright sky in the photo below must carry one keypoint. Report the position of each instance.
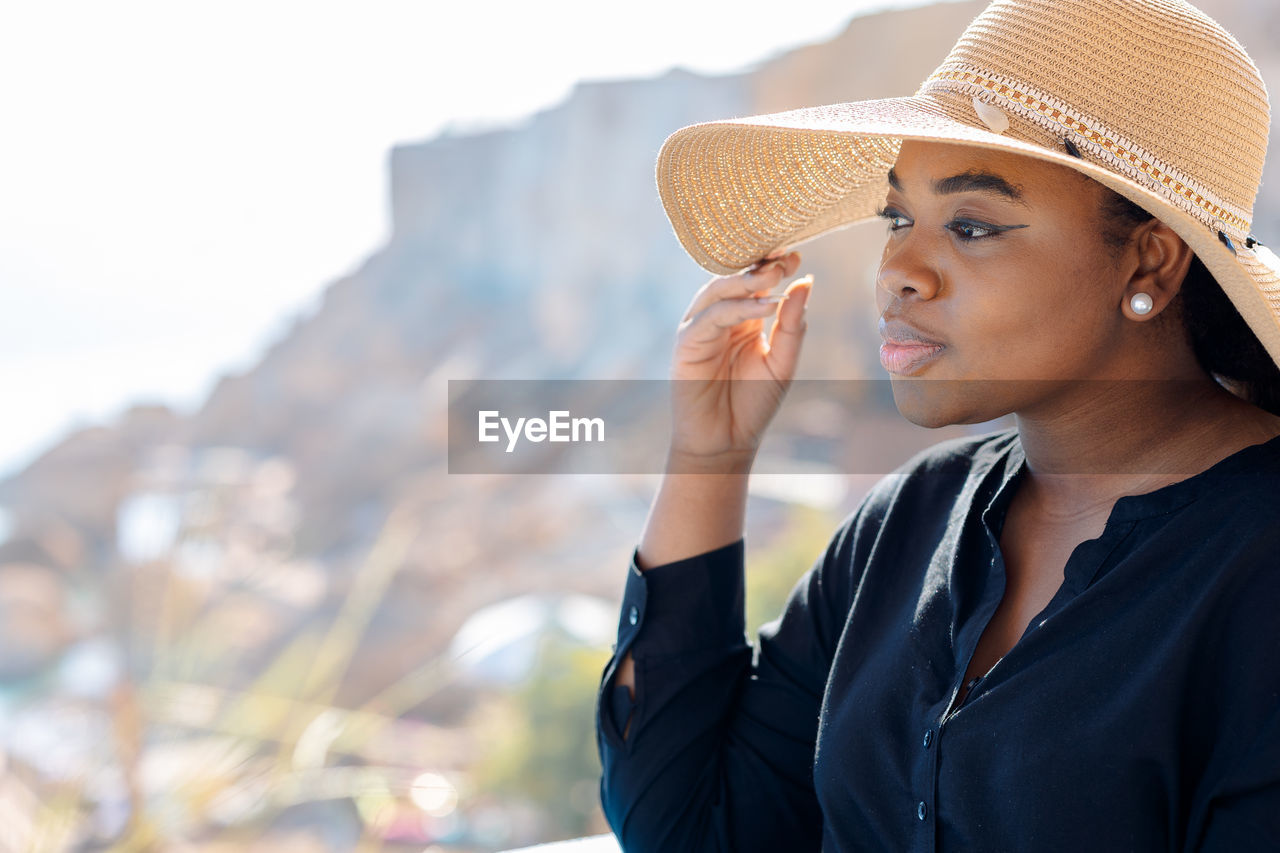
(179, 179)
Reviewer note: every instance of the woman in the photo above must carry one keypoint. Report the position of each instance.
(1060, 636)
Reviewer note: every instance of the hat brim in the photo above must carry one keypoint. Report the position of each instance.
(740, 189)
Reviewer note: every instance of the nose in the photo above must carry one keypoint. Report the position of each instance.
(905, 268)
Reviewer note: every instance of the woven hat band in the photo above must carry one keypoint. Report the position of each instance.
(1143, 81)
(1090, 136)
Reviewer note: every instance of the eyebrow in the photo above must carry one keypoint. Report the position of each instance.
(973, 180)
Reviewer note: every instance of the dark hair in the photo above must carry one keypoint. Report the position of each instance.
(1222, 341)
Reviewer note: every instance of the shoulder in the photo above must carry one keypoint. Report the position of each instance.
(930, 482)
(960, 455)
(1220, 547)
(1239, 505)
(1227, 543)
(1234, 529)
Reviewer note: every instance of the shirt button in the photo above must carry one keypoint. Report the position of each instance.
(928, 738)
(922, 810)
(633, 615)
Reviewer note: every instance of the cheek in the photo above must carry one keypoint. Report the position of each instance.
(1036, 314)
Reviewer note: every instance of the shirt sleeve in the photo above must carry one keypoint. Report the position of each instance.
(721, 746)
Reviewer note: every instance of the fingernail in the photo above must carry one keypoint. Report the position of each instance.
(805, 290)
(768, 299)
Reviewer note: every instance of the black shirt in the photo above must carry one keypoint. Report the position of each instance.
(1139, 711)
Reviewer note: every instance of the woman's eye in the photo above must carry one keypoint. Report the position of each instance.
(965, 230)
(893, 216)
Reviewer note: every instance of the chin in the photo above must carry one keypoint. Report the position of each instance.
(935, 403)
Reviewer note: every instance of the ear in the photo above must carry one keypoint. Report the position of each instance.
(1163, 259)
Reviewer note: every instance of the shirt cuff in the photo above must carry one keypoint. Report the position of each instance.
(687, 606)
(690, 605)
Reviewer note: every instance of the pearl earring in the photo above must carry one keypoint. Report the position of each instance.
(1140, 303)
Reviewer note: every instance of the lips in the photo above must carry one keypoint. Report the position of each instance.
(906, 349)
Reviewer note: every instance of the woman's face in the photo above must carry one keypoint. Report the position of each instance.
(998, 259)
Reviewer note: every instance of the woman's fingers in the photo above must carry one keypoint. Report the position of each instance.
(761, 277)
(716, 319)
(720, 338)
(783, 348)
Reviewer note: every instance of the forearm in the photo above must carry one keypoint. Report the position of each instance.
(692, 513)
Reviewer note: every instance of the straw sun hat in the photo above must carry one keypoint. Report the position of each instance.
(1152, 98)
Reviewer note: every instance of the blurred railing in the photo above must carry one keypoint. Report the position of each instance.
(606, 843)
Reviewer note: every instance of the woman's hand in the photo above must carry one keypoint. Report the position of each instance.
(718, 421)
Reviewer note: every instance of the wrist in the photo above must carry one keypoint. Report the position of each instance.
(735, 463)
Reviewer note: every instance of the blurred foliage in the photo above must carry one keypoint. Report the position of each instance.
(542, 736)
(544, 748)
(259, 755)
(774, 569)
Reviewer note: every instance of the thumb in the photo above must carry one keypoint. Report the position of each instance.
(788, 330)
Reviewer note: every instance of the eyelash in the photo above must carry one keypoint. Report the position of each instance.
(891, 214)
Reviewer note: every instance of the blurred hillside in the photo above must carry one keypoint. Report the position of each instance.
(535, 252)
(312, 491)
